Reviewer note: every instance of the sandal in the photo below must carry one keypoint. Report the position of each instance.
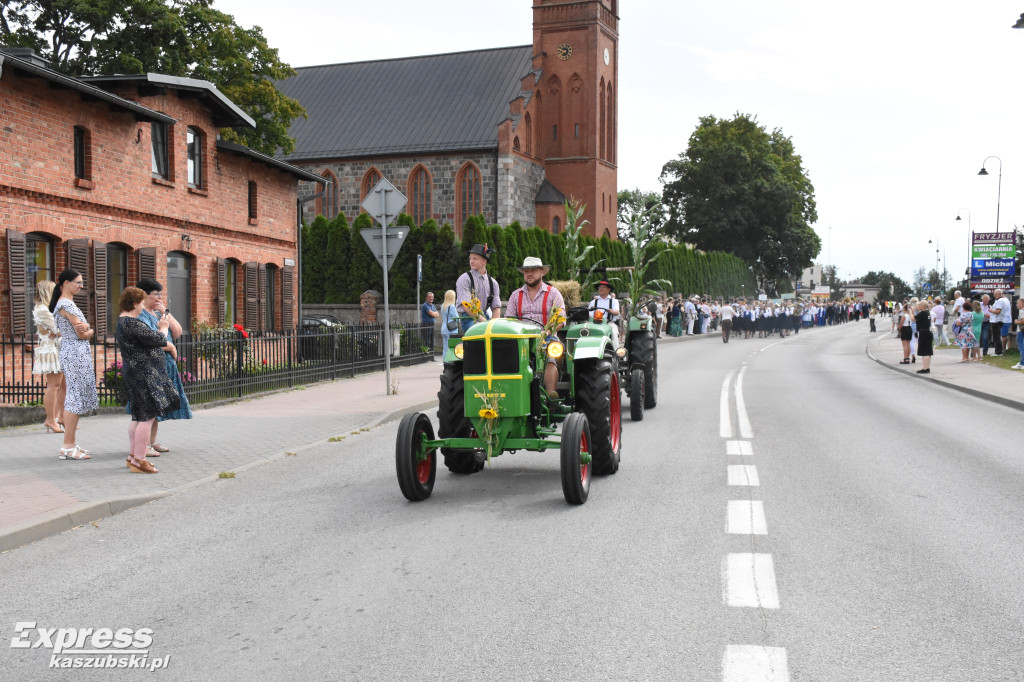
(150, 452)
(82, 450)
(74, 452)
(159, 448)
(142, 467)
(55, 429)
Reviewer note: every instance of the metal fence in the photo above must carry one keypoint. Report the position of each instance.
(226, 364)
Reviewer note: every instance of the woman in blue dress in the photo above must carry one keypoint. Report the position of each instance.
(153, 309)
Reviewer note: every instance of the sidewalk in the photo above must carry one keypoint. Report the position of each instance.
(41, 495)
(1003, 386)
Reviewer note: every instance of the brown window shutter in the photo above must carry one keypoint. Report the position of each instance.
(287, 298)
(147, 262)
(222, 301)
(261, 292)
(77, 251)
(98, 286)
(18, 288)
(251, 309)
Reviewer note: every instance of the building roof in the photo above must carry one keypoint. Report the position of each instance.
(433, 103)
(226, 114)
(270, 161)
(26, 61)
(549, 194)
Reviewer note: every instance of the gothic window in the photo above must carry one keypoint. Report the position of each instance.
(555, 111)
(420, 195)
(603, 123)
(327, 205)
(556, 225)
(528, 129)
(468, 195)
(515, 144)
(370, 180)
(610, 132)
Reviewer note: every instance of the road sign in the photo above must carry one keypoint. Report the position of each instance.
(926, 286)
(373, 238)
(374, 203)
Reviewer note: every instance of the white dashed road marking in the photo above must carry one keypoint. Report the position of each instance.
(755, 664)
(743, 474)
(738, 447)
(746, 517)
(750, 581)
(741, 407)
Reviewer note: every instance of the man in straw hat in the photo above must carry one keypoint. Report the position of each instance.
(535, 300)
(606, 302)
(478, 283)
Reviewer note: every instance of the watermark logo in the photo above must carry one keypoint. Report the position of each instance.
(91, 647)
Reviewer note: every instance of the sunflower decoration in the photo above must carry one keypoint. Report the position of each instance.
(489, 413)
(556, 318)
(473, 307)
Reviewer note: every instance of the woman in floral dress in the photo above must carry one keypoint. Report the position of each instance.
(964, 331)
(150, 391)
(75, 359)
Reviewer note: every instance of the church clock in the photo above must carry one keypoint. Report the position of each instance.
(564, 51)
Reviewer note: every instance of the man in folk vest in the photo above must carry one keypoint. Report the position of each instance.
(478, 283)
(535, 300)
(604, 301)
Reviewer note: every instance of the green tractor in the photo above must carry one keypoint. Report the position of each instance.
(492, 400)
(638, 365)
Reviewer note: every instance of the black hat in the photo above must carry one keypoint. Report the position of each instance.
(483, 251)
(603, 283)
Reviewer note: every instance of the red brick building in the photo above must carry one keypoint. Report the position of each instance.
(509, 132)
(122, 177)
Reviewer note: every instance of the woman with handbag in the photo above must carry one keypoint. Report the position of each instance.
(75, 359)
(449, 320)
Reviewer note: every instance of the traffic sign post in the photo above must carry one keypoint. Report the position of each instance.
(383, 203)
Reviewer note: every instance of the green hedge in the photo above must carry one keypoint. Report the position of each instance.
(337, 265)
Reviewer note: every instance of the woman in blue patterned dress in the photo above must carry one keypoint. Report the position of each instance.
(962, 327)
(75, 359)
(153, 311)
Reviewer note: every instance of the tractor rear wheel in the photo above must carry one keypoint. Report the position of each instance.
(415, 465)
(645, 352)
(598, 397)
(575, 471)
(636, 395)
(452, 422)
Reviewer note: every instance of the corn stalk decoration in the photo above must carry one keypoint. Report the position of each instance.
(574, 225)
(642, 233)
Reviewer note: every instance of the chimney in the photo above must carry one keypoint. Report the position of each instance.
(26, 54)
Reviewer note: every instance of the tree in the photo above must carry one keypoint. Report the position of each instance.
(631, 201)
(740, 189)
(186, 38)
(830, 278)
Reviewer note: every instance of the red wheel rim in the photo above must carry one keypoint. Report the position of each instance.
(584, 466)
(423, 465)
(616, 413)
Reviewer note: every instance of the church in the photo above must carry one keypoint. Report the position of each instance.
(509, 133)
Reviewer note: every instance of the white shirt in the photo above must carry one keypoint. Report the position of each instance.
(727, 312)
(938, 314)
(957, 305)
(605, 303)
(1003, 306)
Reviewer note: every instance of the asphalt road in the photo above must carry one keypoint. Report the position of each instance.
(889, 547)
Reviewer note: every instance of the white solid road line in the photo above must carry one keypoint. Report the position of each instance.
(746, 517)
(750, 581)
(738, 447)
(744, 663)
(741, 407)
(742, 474)
(724, 421)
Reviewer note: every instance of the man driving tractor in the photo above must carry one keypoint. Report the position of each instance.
(535, 300)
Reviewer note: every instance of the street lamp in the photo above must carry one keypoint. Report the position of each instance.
(942, 273)
(970, 237)
(999, 191)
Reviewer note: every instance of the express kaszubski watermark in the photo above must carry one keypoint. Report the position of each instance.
(91, 647)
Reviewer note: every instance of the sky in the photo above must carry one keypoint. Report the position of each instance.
(894, 106)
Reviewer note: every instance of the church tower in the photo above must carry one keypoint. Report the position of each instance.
(575, 46)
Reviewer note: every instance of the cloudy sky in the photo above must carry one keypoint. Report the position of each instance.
(893, 105)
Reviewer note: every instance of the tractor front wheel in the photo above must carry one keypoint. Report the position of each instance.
(416, 465)
(575, 458)
(598, 397)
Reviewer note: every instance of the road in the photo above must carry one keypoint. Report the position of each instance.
(881, 542)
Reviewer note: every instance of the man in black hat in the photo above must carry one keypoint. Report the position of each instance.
(606, 302)
(478, 283)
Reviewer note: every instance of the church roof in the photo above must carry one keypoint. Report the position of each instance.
(549, 194)
(433, 103)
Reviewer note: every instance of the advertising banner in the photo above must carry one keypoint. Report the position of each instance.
(993, 255)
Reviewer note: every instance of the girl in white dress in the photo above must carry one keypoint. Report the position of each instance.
(46, 357)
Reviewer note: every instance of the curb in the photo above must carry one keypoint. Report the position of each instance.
(1006, 402)
(36, 529)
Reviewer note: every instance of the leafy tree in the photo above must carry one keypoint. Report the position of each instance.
(740, 189)
(632, 200)
(174, 37)
(830, 278)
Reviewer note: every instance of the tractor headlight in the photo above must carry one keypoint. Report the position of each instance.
(555, 349)
(459, 351)
(620, 352)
